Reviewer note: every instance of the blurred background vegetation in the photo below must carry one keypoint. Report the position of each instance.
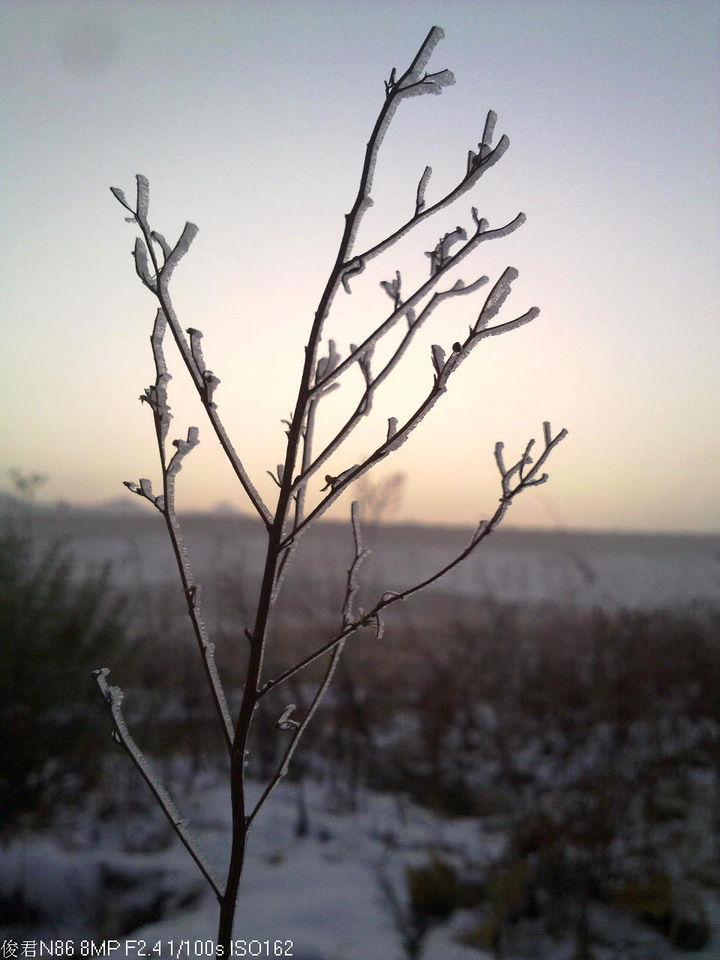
(589, 739)
(56, 626)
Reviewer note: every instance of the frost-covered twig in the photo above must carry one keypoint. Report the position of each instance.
(361, 553)
(113, 697)
(372, 383)
(361, 354)
(372, 618)
(406, 307)
(156, 398)
(444, 368)
(163, 259)
(299, 727)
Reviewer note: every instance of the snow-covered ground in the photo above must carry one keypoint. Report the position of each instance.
(321, 892)
(339, 891)
(327, 893)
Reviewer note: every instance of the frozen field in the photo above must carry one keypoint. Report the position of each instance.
(336, 893)
(570, 569)
(329, 876)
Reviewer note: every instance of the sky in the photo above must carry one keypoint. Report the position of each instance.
(250, 120)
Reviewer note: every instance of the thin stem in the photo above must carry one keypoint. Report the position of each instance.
(347, 613)
(365, 403)
(191, 590)
(398, 438)
(395, 91)
(485, 528)
(308, 436)
(211, 408)
(300, 730)
(478, 237)
(158, 284)
(113, 697)
(461, 188)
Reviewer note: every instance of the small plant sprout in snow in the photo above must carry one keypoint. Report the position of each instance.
(323, 370)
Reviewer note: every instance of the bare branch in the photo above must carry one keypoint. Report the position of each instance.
(360, 554)
(422, 57)
(444, 368)
(140, 255)
(298, 727)
(158, 282)
(156, 397)
(484, 529)
(481, 234)
(373, 383)
(142, 200)
(299, 730)
(113, 697)
(475, 170)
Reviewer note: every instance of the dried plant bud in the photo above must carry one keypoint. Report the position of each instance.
(142, 267)
(143, 197)
(284, 721)
(422, 186)
(146, 489)
(353, 270)
(162, 243)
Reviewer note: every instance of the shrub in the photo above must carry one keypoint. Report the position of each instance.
(301, 500)
(53, 623)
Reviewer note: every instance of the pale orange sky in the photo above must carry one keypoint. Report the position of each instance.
(250, 120)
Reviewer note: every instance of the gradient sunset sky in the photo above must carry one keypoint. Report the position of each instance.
(250, 120)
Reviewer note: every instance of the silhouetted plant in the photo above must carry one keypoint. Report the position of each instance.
(322, 371)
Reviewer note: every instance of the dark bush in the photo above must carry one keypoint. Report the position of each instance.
(55, 627)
